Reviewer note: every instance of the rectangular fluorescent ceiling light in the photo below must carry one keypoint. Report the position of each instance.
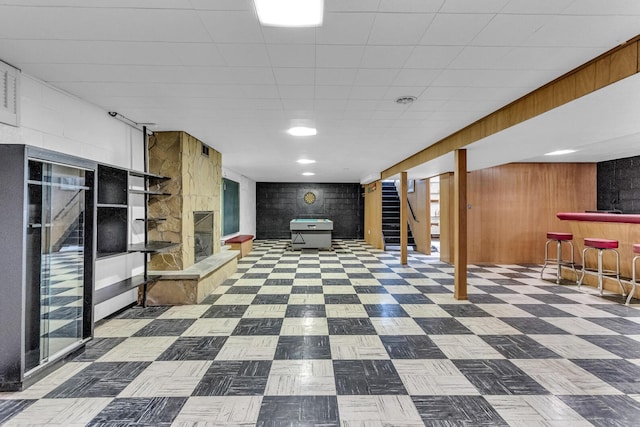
(560, 152)
(290, 13)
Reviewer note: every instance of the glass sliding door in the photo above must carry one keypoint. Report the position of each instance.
(56, 247)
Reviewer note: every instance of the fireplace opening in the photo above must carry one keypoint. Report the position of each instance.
(203, 235)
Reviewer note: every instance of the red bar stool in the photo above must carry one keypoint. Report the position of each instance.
(601, 245)
(634, 282)
(558, 237)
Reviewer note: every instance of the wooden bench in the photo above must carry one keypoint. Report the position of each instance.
(242, 243)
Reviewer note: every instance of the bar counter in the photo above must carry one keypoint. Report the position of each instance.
(625, 228)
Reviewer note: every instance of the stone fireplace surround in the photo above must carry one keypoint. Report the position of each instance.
(194, 187)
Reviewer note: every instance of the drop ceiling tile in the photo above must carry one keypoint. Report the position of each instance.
(396, 91)
(335, 56)
(547, 58)
(416, 6)
(245, 55)
(585, 31)
(291, 55)
(385, 56)
(296, 92)
(466, 6)
(538, 6)
(361, 105)
(597, 7)
(336, 76)
(399, 28)
(252, 75)
(511, 30)
(351, 5)
(261, 91)
(416, 77)
(425, 104)
(484, 57)
(432, 56)
(345, 28)
(367, 92)
(305, 105)
(512, 78)
(337, 105)
(222, 4)
(101, 24)
(467, 27)
(232, 26)
(375, 77)
(455, 78)
(332, 92)
(294, 76)
(283, 35)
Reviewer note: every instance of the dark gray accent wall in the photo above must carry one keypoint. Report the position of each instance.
(279, 203)
(619, 185)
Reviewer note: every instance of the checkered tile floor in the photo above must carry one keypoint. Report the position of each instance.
(351, 337)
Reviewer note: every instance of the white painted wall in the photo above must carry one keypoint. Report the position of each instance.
(52, 119)
(247, 201)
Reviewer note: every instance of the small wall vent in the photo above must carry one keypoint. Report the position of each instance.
(205, 150)
(9, 94)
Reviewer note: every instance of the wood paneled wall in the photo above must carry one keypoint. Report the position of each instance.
(421, 225)
(513, 206)
(616, 64)
(373, 214)
(446, 217)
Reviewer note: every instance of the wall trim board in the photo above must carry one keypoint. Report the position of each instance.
(616, 64)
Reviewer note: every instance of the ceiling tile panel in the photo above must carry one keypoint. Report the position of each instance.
(245, 55)
(510, 30)
(385, 56)
(336, 76)
(292, 55)
(471, 6)
(345, 28)
(375, 77)
(411, 6)
(416, 77)
(484, 57)
(467, 27)
(351, 5)
(232, 27)
(399, 28)
(432, 56)
(294, 76)
(334, 56)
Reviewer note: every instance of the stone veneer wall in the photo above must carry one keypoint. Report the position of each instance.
(194, 186)
(619, 185)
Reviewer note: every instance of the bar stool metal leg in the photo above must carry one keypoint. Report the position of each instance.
(633, 279)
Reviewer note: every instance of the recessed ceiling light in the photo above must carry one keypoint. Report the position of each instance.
(290, 13)
(405, 99)
(306, 161)
(308, 173)
(302, 131)
(560, 152)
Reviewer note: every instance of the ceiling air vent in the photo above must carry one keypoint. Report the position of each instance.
(9, 93)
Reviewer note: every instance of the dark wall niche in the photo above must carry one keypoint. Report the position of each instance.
(619, 185)
(279, 203)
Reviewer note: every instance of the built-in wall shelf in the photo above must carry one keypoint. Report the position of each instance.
(152, 247)
(115, 289)
(150, 192)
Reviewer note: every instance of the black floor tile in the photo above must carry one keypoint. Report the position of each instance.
(621, 374)
(303, 347)
(165, 328)
(270, 299)
(298, 411)
(385, 310)
(552, 298)
(367, 377)
(411, 298)
(411, 347)
(457, 411)
(305, 311)
(12, 407)
(495, 289)
(393, 282)
(533, 325)
(617, 324)
(296, 289)
(194, 348)
(96, 348)
(140, 411)
(485, 299)
(234, 378)
(464, 310)
(341, 299)
(278, 282)
(619, 345)
(607, 411)
(225, 311)
(433, 289)
(336, 282)
(497, 377)
(258, 326)
(519, 347)
(243, 290)
(142, 313)
(543, 310)
(370, 289)
(350, 326)
(100, 379)
(441, 326)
